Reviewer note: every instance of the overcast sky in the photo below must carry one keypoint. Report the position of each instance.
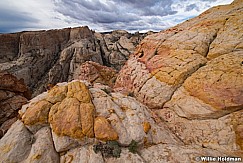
(99, 15)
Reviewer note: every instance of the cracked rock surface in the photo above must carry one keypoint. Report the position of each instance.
(191, 76)
(165, 61)
(66, 128)
(96, 73)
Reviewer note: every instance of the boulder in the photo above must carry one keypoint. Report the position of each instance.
(96, 73)
(16, 144)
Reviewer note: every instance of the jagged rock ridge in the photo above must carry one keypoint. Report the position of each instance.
(53, 56)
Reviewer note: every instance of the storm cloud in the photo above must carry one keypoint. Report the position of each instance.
(100, 15)
(11, 20)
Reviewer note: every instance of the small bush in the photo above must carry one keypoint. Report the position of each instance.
(133, 147)
(110, 149)
(113, 148)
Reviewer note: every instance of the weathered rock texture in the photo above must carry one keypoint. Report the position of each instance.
(208, 48)
(96, 73)
(13, 94)
(54, 56)
(191, 76)
(64, 128)
(116, 46)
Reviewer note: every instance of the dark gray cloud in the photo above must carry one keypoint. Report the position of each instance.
(12, 20)
(192, 7)
(116, 14)
(94, 11)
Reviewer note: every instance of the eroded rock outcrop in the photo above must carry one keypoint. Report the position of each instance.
(96, 73)
(71, 124)
(66, 128)
(49, 57)
(164, 61)
(191, 75)
(78, 118)
(13, 94)
(117, 46)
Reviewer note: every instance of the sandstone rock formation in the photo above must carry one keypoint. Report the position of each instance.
(191, 75)
(116, 46)
(164, 61)
(96, 73)
(13, 94)
(54, 56)
(178, 97)
(65, 126)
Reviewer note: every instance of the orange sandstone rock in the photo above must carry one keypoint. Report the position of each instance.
(103, 130)
(79, 91)
(38, 113)
(146, 127)
(87, 112)
(220, 83)
(65, 120)
(96, 73)
(57, 94)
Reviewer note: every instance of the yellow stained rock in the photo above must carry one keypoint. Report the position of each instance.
(219, 83)
(175, 67)
(87, 112)
(80, 91)
(37, 113)
(103, 130)
(57, 94)
(146, 127)
(65, 119)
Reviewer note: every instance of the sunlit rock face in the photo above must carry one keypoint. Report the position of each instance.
(202, 55)
(75, 116)
(49, 57)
